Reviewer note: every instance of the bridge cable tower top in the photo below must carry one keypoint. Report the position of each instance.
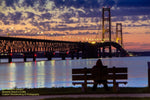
(106, 27)
(106, 24)
(119, 37)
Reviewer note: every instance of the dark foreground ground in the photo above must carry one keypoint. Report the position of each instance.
(127, 93)
(66, 91)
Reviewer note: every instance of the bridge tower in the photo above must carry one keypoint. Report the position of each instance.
(106, 28)
(119, 38)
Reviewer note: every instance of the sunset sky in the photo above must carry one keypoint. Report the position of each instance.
(76, 20)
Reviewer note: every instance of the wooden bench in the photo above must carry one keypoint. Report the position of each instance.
(116, 76)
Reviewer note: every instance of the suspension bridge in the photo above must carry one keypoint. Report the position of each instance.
(32, 48)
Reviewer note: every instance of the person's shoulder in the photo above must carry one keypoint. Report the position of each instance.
(104, 66)
(94, 66)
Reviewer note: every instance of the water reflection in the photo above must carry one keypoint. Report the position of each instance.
(52, 73)
(28, 74)
(56, 73)
(12, 75)
(40, 75)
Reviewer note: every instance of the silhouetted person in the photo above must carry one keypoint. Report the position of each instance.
(99, 73)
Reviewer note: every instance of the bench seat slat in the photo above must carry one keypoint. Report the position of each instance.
(118, 76)
(74, 83)
(117, 70)
(89, 70)
(81, 71)
(82, 77)
(90, 77)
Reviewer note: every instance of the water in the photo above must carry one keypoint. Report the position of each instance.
(57, 73)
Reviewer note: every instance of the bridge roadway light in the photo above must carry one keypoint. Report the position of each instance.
(93, 42)
(102, 41)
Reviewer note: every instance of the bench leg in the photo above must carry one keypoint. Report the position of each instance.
(84, 87)
(116, 87)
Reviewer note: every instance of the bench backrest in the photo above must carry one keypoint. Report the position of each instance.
(117, 73)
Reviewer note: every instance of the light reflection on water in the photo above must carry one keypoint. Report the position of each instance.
(57, 73)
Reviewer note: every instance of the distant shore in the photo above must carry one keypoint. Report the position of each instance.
(144, 53)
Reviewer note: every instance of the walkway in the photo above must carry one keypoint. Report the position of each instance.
(72, 96)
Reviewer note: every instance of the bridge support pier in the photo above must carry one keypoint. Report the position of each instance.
(34, 56)
(72, 57)
(25, 58)
(90, 51)
(117, 53)
(49, 58)
(110, 51)
(63, 56)
(148, 74)
(103, 52)
(99, 52)
(10, 58)
(72, 54)
(49, 55)
(77, 55)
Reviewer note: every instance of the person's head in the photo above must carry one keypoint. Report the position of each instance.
(99, 63)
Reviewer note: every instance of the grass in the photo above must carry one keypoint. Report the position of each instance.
(98, 99)
(55, 91)
(71, 90)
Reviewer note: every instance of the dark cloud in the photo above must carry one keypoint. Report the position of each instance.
(41, 25)
(94, 13)
(29, 2)
(147, 32)
(130, 11)
(69, 21)
(10, 2)
(109, 3)
(59, 3)
(126, 33)
(131, 43)
(25, 2)
(30, 15)
(133, 19)
(89, 3)
(77, 3)
(45, 25)
(46, 16)
(1, 30)
(140, 25)
(2, 16)
(78, 27)
(12, 17)
(119, 18)
(62, 3)
(66, 16)
(133, 3)
(41, 9)
(42, 2)
(15, 16)
(6, 22)
(86, 33)
(22, 23)
(145, 44)
(61, 26)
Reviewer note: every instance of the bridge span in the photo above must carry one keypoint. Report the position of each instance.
(31, 47)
